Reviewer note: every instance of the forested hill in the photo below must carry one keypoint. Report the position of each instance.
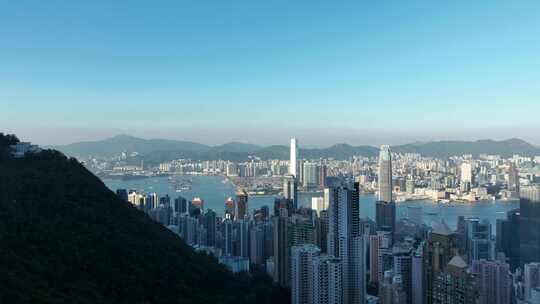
(66, 238)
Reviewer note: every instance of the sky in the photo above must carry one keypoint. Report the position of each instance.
(361, 72)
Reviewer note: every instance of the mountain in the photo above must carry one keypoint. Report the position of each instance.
(444, 149)
(154, 151)
(66, 238)
(117, 144)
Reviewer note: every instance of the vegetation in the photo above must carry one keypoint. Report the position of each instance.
(66, 238)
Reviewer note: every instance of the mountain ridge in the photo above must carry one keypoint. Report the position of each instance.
(157, 150)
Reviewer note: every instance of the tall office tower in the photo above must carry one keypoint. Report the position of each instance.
(327, 284)
(229, 208)
(123, 194)
(293, 165)
(299, 171)
(241, 236)
(385, 174)
(240, 208)
(282, 246)
(290, 190)
(310, 176)
(417, 277)
(507, 241)
(466, 176)
(346, 242)
(531, 279)
(402, 253)
(438, 250)
(385, 216)
(493, 281)
(479, 242)
(529, 224)
(210, 227)
(181, 205)
(302, 260)
(228, 237)
(454, 285)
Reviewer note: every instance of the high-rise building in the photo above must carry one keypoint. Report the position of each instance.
(293, 166)
(302, 261)
(402, 253)
(529, 224)
(439, 249)
(240, 208)
(493, 281)
(310, 176)
(229, 208)
(385, 174)
(479, 242)
(257, 244)
(282, 246)
(241, 237)
(290, 190)
(228, 244)
(327, 283)
(378, 242)
(454, 285)
(513, 180)
(181, 205)
(345, 241)
(210, 227)
(385, 216)
(417, 277)
(507, 241)
(466, 177)
(531, 279)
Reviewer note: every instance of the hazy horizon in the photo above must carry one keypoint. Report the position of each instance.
(315, 138)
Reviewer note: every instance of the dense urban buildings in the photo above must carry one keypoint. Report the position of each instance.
(327, 252)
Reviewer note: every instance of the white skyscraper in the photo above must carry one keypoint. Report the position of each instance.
(293, 167)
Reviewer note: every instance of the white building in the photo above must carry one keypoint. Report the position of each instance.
(293, 166)
(327, 280)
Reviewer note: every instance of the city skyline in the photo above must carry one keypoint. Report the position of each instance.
(186, 70)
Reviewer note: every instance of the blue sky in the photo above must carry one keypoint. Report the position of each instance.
(262, 71)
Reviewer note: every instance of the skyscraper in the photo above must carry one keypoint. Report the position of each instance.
(293, 157)
(531, 279)
(327, 284)
(302, 261)
(240, 208)
(385, 216)
(508, 237)
(385, 174)
(345, 241)
(493, 281)
(310, 176)
(290, 190)
(529, 224)
(282, 246)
